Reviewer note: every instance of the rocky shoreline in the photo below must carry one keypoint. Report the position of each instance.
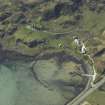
(9, 57)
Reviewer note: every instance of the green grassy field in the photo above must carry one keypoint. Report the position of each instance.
(96, 98)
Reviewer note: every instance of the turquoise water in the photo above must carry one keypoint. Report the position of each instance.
(8, 90)
(18, 86)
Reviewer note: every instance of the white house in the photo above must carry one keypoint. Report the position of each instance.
(77, 41)
(83, 49)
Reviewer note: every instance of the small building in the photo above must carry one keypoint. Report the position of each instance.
(80, 45)
(83, 49)
(77, 41)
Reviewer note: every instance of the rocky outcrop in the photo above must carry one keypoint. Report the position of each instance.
(62, 9)
(96, 5)
(35, 43)
(100, 53)
(31, 44)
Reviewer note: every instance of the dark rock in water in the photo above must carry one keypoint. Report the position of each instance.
(35, 43)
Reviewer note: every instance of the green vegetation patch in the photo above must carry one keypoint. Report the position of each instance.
(28, 35)
(97, 98)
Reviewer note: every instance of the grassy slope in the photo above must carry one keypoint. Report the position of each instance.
(90, 28)
(97, 98)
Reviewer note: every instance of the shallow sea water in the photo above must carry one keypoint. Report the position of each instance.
(19, 87)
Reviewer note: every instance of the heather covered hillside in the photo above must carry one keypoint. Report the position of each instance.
(41, 33)
(33, 26)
